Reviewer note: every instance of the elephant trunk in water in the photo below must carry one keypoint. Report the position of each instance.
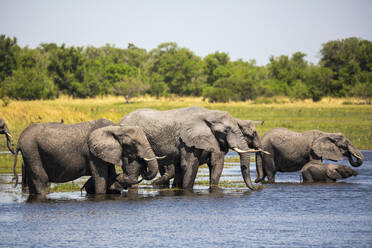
(238, 143)
(244, 166)
(353, 152)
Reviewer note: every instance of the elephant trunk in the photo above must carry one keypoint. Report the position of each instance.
(353, 152)
(126, 181)
(239, 144)
(151, 164)
(244, 166)
(259, 156)
(8, 139)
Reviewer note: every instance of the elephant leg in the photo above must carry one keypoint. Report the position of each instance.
(215, 168)
(99, 172)
(271, 177)
(36, 177)
(189, 167)
(177, 182)
(269, 168)
(24, 178)
(306, 176)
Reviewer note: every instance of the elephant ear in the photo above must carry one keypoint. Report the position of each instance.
(333, 173)
(325, 148)
(198, 134)
(103, 144)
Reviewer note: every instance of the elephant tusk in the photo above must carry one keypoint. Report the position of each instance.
(358, 157)
(9, 135)
(150, 159)
(250, 150)
(268, 153)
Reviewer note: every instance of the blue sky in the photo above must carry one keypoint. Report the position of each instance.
(243, 29)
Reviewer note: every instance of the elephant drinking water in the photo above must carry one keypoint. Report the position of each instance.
(290, 151)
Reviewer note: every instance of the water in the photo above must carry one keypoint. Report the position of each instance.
(286, 214)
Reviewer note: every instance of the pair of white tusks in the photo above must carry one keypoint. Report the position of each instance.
(250, 150)
(150, 159)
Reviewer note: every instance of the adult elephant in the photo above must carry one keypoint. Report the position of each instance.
(55, 152)
(190, 137)
(5, 130)
(290, 151)
(319, 172)
(215, 159)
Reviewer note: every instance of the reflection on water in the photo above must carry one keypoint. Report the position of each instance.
(286, 214)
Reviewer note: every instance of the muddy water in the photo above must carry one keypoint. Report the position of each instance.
(286, 214)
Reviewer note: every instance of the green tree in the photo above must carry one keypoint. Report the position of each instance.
(178, 68)
(216, 67)
(66, 67)
(8, 56)
(129, 88)
(349, 59)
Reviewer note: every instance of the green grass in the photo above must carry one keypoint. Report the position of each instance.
(65, 187)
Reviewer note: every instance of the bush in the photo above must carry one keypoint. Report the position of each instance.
(29, 84)
(217, 94)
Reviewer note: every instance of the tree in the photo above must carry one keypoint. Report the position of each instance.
(349, 60)
(178, 68)
(8, 56)
(363, 91)
(216, 66)
(129, 88)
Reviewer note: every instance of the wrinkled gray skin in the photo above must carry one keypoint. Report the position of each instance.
(55, 152)
(319, 172)
(290, 151)
(5, 130)
(190, 137)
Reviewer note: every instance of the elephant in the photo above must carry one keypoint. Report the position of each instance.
(190, 137)
(5, 130)
(319, 172)
(250, 134)
(290, 151)
(56, 152)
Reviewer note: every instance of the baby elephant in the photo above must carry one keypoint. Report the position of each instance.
(318, 172)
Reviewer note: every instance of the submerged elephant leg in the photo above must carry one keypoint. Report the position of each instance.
(215, 168)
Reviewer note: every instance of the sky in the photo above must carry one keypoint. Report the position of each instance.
(244, 29)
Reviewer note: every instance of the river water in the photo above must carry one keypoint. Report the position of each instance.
(285, 214)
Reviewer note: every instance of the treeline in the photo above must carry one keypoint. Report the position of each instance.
(345, 69)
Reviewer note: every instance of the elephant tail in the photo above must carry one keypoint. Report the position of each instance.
(15, 174)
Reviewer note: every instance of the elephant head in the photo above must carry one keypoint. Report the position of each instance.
(217, 131)
(5, 130)
(113, 144)
(335, 147)
(253, 140)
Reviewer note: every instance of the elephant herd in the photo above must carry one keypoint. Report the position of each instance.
(175, 143)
